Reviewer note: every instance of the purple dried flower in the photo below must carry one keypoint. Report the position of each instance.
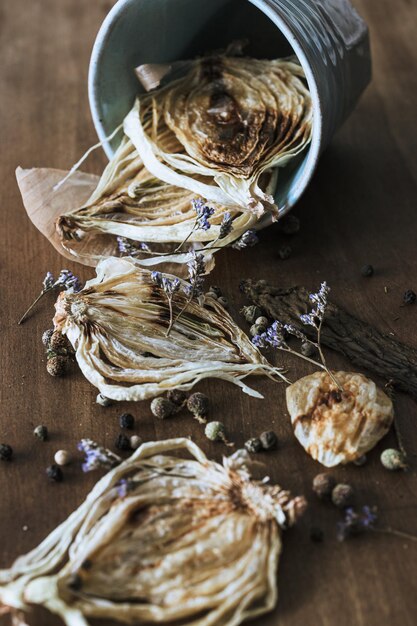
(247, 240)
(48, 281)
(273, 337)
(293, 330)
(203, 213)
(319, 299)
(96, 456)
(124, 486)
(67, 280)
(356, 523)
(196, 271)
(169, 285)
(128, 247)
(226, 226)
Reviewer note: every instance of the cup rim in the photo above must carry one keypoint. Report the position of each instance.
(314, 147)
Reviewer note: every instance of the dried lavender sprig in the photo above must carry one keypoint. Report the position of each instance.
(170, 286)
(356, 523)
(65, 281)
(96, 456)
(128, 247)
(196, 273)
(203, 214)
(247, 240)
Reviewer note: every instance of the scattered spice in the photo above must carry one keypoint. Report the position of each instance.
(62, 457)
(261, 321)
(54, 473)
(57, 365)
(177, 397)
(409, 297)
(323, 485)
(6, 452)
(284, 252)
(162, 408)
(103, 401)
(251, 313)
(343, 495)
(198, 404)
(308, 349)
(367, 271)
(254, 445)
(46, 337)
(122, 442)
(215, 431)
(290, 224)
(316, 534)
(59, 343)
(256, 330)
(393, 459)
(126, 420)
(135, 442)
(269, 440)
(65, 281)
(41, 432)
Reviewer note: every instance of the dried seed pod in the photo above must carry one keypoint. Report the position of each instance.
(393, 459)
(162, 408)
(198, 404)
(221, 550)
(323, 485)
(57, 365)
(338, 426)
(343, 495)
(59, 343)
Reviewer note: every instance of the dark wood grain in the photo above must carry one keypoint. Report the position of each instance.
(360, 208)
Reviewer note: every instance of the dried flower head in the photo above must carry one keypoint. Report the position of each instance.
(221, 547)
(97, 457)
(203, 214)
(355, 523)
(247, 240)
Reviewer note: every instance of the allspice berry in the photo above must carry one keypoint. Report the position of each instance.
(343, 495)
(57, 365)
(393, 459)
(177, 396)
(162, 408)
(323, 485)
(198, 404)
(58, 342)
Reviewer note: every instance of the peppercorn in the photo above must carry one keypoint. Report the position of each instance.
(6, 452)
(58, 342)
(290, 224)
(103, 401)
(215, 431)
(223, 301)
(198, 404)
(261, 321)
(162, 408)
(393, 459)
(126, 420)
(62, 457)
(122, 442)
(409, 297)
(257, 329)
(316, 534)
(177, 397)
(367, 271)
(343, 495)
(41, 432)
(284, 252)
(251, 313)
(46, 337)
(135, 442)
(253, 445)
(216, 290)
(323, 485)
(57, 365)
(269, 440)
(54, 473)
(307, 349)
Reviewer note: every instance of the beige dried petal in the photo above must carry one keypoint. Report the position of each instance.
(338, 427)
(159, 539)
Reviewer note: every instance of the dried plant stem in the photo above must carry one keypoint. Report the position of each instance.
(323, 358)
(24, 316)
(398, 533)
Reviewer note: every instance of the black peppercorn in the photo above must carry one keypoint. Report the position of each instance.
(409, 297)
(6, 452)
(253, 445)
(41, 432)
(54, 472)
(268, 440)
(290, 224)
(323, 485)
(316, 535)
(122, 442)
(367, 271)
(177, 396)
(126, 420)
(343, 495)
(284, 252)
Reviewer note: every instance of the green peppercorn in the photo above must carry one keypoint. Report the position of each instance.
(367, 271)
(126, 420)
(251, 313)
(343, 495)
(269, 440)
(57, 365)
(122, 442)
(393, 459)
(323, 485)
(177, 397)
(54, 473)
(198, 404)
(41, 432)
(215, 431)
(284, 252)
(253, 445)
(46, 337)
(162, 408)
(6, 452)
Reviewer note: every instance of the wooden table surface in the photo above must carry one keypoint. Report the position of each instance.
(360, 208)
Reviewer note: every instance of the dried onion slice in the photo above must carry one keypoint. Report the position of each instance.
(158, 539)
(118, 325)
